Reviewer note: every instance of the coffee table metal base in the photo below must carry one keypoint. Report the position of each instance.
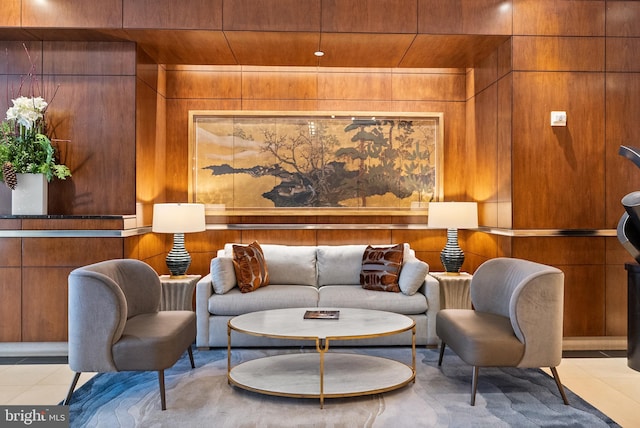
(298, 375)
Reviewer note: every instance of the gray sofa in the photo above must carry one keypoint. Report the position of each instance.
(326, 276)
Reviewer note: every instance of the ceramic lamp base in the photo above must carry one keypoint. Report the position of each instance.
(178, 259)
(452, 256)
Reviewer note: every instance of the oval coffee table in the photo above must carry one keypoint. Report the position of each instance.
(322, 374)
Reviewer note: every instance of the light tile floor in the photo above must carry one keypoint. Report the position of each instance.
(607, 383)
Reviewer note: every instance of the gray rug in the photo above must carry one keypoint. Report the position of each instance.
(439, 398)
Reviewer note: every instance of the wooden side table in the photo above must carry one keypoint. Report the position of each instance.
(177, 293)
(454, 290)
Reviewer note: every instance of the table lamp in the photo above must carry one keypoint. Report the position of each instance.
(178, 219)
(453, 216)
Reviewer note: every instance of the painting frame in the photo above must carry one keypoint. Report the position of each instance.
(425, 167)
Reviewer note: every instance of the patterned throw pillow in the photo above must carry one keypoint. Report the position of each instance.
(250, 267)
(381, 268)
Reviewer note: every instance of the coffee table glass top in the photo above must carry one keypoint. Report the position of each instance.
(352, 323)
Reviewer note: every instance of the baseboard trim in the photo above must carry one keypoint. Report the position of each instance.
(595, 343)
(34, 349)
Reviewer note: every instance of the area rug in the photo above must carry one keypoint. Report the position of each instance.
(201, 397)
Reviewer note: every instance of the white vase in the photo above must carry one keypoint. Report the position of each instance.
(30, 195)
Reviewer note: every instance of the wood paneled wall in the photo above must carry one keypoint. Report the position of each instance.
(91, 120)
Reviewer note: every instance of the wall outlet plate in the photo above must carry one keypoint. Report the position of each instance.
(558, 118)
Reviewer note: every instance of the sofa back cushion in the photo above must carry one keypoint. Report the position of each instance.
(291, 265)
(287, 264)
(339, 264)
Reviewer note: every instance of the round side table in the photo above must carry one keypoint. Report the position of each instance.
(454, 290)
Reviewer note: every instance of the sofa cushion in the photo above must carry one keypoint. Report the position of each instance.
(250, 267)
(274, 296)
(287, 264)
(381, 268)
(223, 275)
(354, 296)
(412, 275)
(339, 264)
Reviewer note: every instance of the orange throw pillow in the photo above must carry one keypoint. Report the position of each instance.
(381, 268)
(250, 267)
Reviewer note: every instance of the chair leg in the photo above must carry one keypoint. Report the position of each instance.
(474, 384)
(163, 402)
(190, 351)
(74, 382)
(442, 345)
(556, 377)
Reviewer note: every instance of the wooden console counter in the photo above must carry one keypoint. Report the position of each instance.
(36, 255)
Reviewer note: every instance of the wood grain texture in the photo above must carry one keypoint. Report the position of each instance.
(45, 304)
(10, 13)
(504, 185)
(363, 50)
(553, 18)
(464, 17)
(623, 54)
(10, 249)
(558, 174)
(355, 85)
(271, 15)
(274, 84)
(535, 53)
(72, 13)
(69, 252)
(10, 303)
(622, 18)
(616, 307)
(428, 86)
(369, 16)
(89, 58)
(176, 14)
(622, 175)
(273, 48)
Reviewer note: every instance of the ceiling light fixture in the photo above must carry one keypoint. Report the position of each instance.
(318, 53)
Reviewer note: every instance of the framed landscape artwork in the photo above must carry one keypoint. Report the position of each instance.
(314, 162)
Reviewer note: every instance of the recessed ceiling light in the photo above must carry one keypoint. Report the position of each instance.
(318, 53)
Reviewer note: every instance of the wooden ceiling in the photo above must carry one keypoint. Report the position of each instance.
(291, 48)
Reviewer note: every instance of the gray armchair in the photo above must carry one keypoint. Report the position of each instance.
(115, 325)
(516, 320)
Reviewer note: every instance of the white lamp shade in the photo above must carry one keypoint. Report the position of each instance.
(453, 215)
(178, 218)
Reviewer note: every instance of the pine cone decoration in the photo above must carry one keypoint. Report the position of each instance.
(10, 178)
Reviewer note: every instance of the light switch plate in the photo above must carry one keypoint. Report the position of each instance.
(558, 118)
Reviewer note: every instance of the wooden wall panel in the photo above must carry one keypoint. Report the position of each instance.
(10, 248)
(559, 18)
(369, 16)
(558, 53)
(10, 13)
(65, 252)
(615, 300)
(89, 58)
(72, 13)
(189, 14)
(549, 160)
(210, 82)
(583, 262)
(271, 15)
(504, 184)
(273, 84)
(622, 18)
(484, 168)
(101, 158)
(338, 237)
(428, 86)
(464, 17)
(45, 304)
(622, 175)
(355, 85)
(10, 302)
(623, 54)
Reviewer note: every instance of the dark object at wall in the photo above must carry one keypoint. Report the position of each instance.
(633, 318)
